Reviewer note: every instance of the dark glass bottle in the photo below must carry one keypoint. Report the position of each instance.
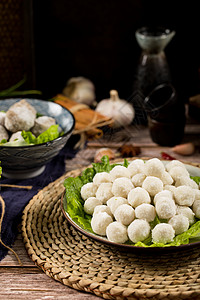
(153, 68)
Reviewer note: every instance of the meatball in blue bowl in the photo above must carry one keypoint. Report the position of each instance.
(32, 133)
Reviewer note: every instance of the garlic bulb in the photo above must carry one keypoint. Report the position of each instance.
(81, 90)
(118, 109)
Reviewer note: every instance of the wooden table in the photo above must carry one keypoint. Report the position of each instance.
(28, 281)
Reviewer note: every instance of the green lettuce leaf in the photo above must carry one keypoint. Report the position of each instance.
(196, 179)
(73, 205)
(29, 139)
(48, 135)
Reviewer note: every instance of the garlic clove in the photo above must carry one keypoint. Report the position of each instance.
(103, 151)
(184, 149)
(118, 109)
(81, 90)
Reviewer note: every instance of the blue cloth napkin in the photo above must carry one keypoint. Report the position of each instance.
(16, 199)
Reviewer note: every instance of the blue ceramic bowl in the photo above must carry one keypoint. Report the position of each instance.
(29, 161)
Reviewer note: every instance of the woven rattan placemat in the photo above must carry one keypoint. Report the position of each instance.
(84, 264)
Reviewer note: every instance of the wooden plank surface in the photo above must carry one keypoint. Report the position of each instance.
(28, 281)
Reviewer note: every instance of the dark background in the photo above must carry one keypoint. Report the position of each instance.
(96, 39)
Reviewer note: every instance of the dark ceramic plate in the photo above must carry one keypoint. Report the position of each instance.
(194, 171)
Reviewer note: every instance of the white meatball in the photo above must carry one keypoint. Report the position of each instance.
(138, 230)
(154, 167)
(163, 233)
(180, 223)
(2, 117)
(90, 204)
(138, 179)
(100, 222)
(166, 178)
(104, 192)
(3, 133)
(116, 232)
(197, 194)
(114, 202)
(170, 188)
(196, 208)
(145, 211)
(119, 171)
(152, 185)
(185, 180)
(102, 208)
(42, 124)
(20, 116)
(177, 172)
(165, 208)
(187, 212)
(88, 190)
(165, 194)
(184, 195)
(136, 166)
(174, 163)
(122, 186)
(16, 136)
(124, 214)
(138, 196)
(101, 177)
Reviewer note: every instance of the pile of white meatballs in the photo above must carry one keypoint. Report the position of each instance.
(22, 116)
(124, 201)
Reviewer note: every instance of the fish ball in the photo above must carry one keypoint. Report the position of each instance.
(145, 211)
(20, 116)
(170, 188)
(152, 185)
(2, 117)
(178, 172)
(185, 180)
(164, 193)
(122, 186)
(197, 194)
(166, 178)
(104, 192)
(187, 212)
(124, 214)
(42, 124)
(3, 133)
(196, 208)
(99, 223)
(101, 177)
(138, 230)
(138, 196)
(184, 195)
(16, 136)
(180, 223)
(116, 232)
(90, 204)
(88, 190)
(154, 167)
(174, 163)
(119, 171)
(163, 233)
(165, 208)
(102, 208)
(136, 166)
(114, 202)
(138, 179)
